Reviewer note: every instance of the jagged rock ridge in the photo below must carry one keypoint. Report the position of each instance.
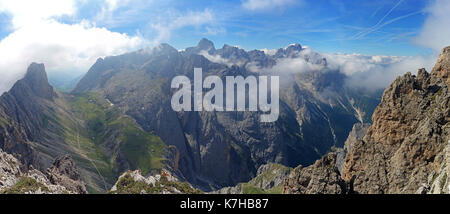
(405, 150)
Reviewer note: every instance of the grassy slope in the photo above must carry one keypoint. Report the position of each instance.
(143, 150)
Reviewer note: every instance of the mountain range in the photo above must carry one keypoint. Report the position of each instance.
(118, 118)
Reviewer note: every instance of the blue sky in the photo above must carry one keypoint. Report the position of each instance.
(324, 25)
(69, 35)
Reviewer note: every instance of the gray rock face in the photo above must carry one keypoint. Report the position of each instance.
(36, 79)
(23, 110)
(356, 136)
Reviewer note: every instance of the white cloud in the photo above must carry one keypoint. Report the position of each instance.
(257, 5)
(37, 36)
(220, 60)
(176, 20)
(269, 52)
(350, 64)
(376, 72)
(364, 71)
(26, 12)
(435, 32)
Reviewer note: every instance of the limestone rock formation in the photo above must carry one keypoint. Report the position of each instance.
(442, 67)
(65, 173)
(404, 150)
(132, 182)
(321, 178)
(14, 180)
(355, 136)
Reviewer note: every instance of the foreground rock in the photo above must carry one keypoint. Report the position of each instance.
(132, 182)
(406, 150)
(14, 181)
(321, 178)
(65, 173)
(405, 145)
(355, 136)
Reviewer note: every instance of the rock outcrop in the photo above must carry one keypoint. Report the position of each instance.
(404, 150)
(322, 177)
(36, 79)
(14, 180)
(355, 136)
(9, 170)
(65, 173)
(132, 182)
(442, 67)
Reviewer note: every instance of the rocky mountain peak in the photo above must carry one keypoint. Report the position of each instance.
(206, 45)
(36, 79)
(164, 49)
(442, 67)
(294, 47)
(290, 51)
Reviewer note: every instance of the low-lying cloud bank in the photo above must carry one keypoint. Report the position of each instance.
(362, 71)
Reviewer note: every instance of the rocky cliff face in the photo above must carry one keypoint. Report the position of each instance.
(442, 67)
(14, 180)
(406, 150)
(354, 137)
(406, 141)
(325, 176)
(23, 112)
